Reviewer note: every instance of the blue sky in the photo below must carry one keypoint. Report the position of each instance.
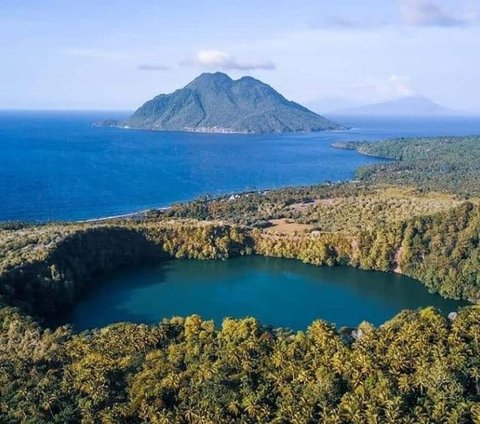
(107, 54)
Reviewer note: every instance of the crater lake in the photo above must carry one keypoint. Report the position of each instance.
(279, 292)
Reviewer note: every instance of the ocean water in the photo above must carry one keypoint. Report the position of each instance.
(279, 292)
(56, 166)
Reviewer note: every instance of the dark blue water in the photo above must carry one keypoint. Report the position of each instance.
(56, 166)
(280, 292)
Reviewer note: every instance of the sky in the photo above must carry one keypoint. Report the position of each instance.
(115, 55)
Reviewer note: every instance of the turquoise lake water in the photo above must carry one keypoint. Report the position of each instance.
(279, 292)
(56, 166)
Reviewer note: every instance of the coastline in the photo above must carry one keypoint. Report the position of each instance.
(232, 194)
(214, 196)
(121, 216)
(213, 130)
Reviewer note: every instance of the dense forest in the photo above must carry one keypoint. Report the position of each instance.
(433, 163)
(420, 367)
(431, 236)
(43, 269)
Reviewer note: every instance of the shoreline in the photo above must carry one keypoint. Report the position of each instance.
(120, 216)
(229, 195)
(214, 130)
(235, 194)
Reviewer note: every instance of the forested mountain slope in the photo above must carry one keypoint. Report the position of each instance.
(216, 103)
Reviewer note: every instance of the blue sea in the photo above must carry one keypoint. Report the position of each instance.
(56, 166)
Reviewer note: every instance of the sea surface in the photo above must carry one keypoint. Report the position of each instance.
(279, 292)
(56, 166)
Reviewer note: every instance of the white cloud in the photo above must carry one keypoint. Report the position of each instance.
(151, 67)
(423, 13)
(347, 23)
(218, 59)
(380, 90)
(430, 13)
(94, 53)
(472, 10)
(396, 86)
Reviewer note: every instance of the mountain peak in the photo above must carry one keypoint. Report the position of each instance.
(214, 102)
(208, 78)
(415, 105)
(214, 75)
(249, 79)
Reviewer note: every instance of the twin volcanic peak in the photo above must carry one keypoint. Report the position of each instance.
(213, 102)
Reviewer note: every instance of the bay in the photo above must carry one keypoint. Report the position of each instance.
(56, 166)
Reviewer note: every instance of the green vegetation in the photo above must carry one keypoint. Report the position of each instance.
(433, 237)
(436, 163)
(216, 103)
(43, 269)
(339, 207)
(420, 367)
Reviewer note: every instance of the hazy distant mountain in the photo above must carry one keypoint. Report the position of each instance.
(216, 103)
(405, 106)
(326, 105)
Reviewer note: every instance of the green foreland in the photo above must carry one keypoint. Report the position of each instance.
(432, 163)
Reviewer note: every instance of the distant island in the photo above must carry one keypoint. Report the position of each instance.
(215, 103)
(404, 106)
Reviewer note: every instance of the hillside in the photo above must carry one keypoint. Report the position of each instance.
(431, 163)
(216, 103)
